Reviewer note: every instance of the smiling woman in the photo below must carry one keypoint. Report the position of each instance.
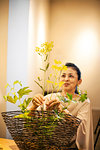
(71, 78)
(77, 107)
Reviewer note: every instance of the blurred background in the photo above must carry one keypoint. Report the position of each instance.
(73, 25)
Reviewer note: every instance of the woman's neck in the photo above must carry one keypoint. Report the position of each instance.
(64, 93)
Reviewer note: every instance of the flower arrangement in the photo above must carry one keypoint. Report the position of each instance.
(52, 81)
(42, 126)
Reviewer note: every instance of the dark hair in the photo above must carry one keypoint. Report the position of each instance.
(77, 70)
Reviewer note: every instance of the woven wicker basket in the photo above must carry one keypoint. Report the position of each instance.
(41, 132)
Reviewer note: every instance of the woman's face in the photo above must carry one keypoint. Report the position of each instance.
(70, 79)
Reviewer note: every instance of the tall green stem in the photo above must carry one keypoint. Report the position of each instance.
(44, 74)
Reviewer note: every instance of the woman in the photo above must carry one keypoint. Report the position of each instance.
(71, 78)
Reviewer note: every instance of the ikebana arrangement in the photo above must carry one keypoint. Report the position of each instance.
(42, 129)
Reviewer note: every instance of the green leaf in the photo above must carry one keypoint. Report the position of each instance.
(17, 82)
(47, 66)
(15, 98)
(42, 69)
(83, 97)
(5, 97)
(69, 96)
(11, 100)
(21, 106)
(7, 85)
(25, 103)
(24, 91)
(39, 79)
(28, 101)
(39, 85)
(39, 54)
(46, 57)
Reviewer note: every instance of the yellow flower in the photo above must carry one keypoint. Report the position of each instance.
(56, 83)
(54, 67)
(59, 68)
(57, 62)
(64, 67)
(43, 51)
(48, 81)
(45, 48)
(37, 49)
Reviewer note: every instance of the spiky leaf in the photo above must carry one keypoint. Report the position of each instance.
(24, 91)
(17, 82)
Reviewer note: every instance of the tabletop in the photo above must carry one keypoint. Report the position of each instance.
(7, 144)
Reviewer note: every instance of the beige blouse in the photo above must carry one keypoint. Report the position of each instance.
(82, 110)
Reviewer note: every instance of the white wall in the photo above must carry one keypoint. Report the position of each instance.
(38, 33)
(17, 54)
(17, 42)
(75, 29)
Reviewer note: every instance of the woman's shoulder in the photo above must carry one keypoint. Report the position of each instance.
(85, 103)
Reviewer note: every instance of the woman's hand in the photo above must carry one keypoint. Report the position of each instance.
(54, 104)
(37, 101)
